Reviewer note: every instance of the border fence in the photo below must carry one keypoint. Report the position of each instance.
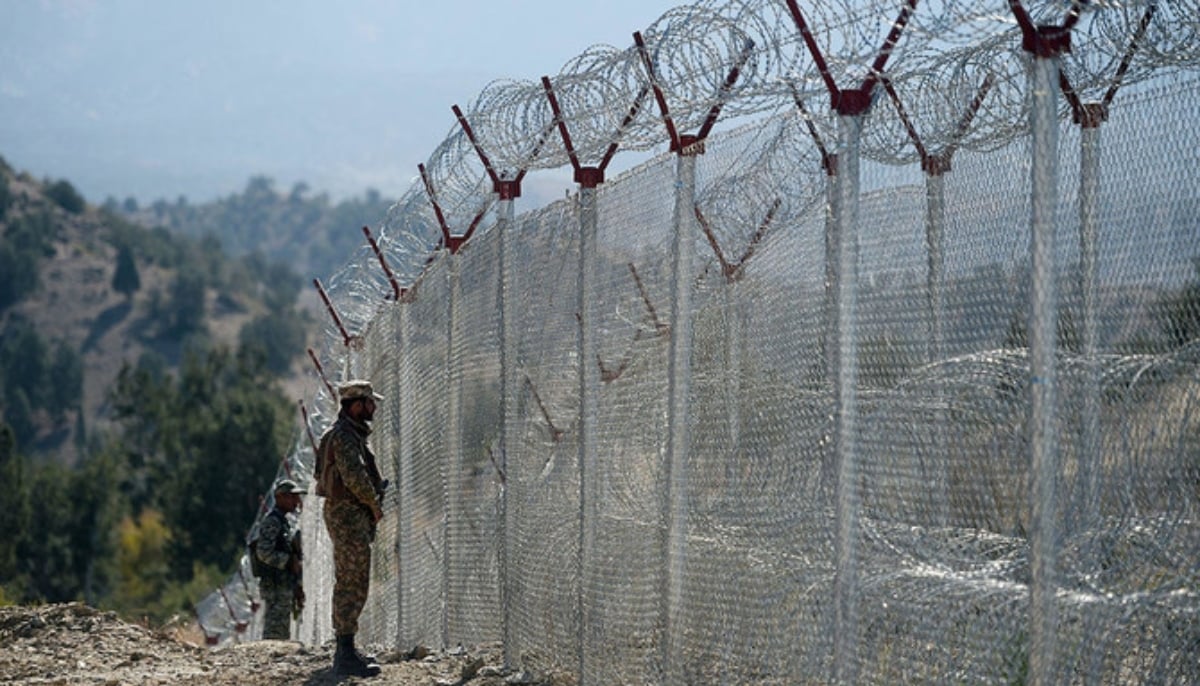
(884, 371)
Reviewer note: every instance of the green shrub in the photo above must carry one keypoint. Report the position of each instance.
(6, 196)
(65, 196)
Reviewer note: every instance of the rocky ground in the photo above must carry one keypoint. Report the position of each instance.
(76, 644)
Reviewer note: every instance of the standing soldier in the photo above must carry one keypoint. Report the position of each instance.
(277, 562)
(353, 489)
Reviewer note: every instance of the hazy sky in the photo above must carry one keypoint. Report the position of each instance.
(161, 98)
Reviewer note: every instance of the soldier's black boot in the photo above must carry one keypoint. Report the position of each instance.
(348, 662)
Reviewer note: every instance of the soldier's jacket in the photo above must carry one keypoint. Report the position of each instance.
(348, 470)
(276, 543)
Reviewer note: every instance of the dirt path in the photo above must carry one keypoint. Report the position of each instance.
(76, 644)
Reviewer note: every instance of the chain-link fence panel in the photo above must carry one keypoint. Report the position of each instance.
(892, 379)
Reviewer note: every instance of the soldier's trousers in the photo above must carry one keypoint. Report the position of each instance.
(350, 530)
(277, 608)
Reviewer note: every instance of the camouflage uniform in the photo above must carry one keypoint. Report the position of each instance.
(351, 483)
(277, 542)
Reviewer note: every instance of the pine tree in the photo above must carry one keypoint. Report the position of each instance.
(14, 510)
(126, 280)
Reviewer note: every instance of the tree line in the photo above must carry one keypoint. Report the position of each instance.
(153, 516)
(311, 233)
(152, 513)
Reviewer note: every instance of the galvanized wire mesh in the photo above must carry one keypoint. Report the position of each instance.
(898, 393)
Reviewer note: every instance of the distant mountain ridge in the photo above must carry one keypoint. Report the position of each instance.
(308, 232)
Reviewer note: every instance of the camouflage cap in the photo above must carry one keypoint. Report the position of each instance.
(288, 486)
(358, 388)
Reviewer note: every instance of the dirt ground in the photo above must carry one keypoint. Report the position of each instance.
(76, 644)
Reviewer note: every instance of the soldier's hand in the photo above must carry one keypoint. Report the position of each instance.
(377, 513)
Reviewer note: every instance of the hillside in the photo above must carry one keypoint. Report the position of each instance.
(62, 289)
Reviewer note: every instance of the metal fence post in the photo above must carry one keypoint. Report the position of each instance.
(589, 382)
(453, 436)
(1043, 439)
(846, 415)
(678, 413)
(508, 419)
(405, 399)
(1090, 461)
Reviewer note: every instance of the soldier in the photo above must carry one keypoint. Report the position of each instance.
(277, 562)
(353, 489)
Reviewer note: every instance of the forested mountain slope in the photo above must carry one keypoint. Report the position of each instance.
(148, 387)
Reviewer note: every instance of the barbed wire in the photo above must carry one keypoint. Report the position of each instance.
(938, 66)
(955, 78)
